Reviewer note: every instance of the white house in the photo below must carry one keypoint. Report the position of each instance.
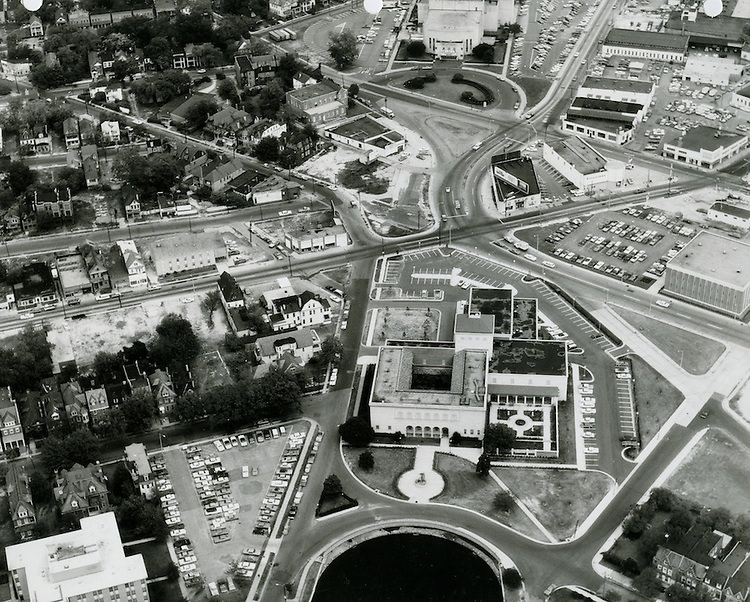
(302, 344)
(133, 261)
(111, 131)
(298, 311)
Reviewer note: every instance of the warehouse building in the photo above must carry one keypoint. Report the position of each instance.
(704, 146)
(729, 214)
(581, 164)
(712, 271)
(610, 120)
(645, 45)
(618, 90)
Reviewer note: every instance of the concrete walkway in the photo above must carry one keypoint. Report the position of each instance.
(422, 483)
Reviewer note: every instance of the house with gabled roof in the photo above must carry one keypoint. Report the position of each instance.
(134, 264)
(140, 469)
(97, 403)
(81, 491)
(71, 133)
(163, 391)
(95, 261)
(11, 431)
(302, 344)
(51, 405)
(90, 162)
(74, 401)
(136, 378)
(296, 311)
(22, 512)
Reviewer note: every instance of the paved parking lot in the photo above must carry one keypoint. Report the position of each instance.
(214, 558)
(624, 245)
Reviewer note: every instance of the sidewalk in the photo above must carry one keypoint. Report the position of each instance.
(423, 482)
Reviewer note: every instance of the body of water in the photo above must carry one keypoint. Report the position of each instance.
(408, 568)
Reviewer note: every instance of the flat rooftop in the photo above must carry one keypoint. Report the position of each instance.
(604, 125)
(482, 324)
(723, 28)
(497, 302)
(71, 270)
(617, 84)
(715, 257)
(519, 167)
(313, 91)
(575, 152)
(430, 375)
(704, 137)
(734, 210)
(646, 39)
(529, 357)
(602, 104)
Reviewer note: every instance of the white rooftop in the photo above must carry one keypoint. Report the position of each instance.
(64, 566)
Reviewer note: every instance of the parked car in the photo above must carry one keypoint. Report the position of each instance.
(243, 440)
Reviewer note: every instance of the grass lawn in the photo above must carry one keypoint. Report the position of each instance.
(726, 460)
(534, 87)
(559, 498)
(464, 488)
(698, 353)
(655, 397)
(331, 505)
(155, 556)
(390, 464)
(405, 323)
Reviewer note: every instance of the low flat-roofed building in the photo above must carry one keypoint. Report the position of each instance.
(645, 45)
(72, 274)
(715, 71)
(318, 238)
(609, 120)
(84, 565)
(712, 271)
(495, 302)
(515, 187)
(368, 135)
(423, 390)
(729, 214)
(536, 370)
(187, 252)
(581, 164)
(740, 99)
(704, 146)
(35, 287)
(473, 331)
(617, 89)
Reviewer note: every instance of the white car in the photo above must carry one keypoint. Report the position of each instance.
(662, 303)
(243, 440)
(187, 299)
(344, 324)
(234, 441)
(177, 532)
(588, 411)
(530, 257)
(219, 445)
(284, 213)
(548, 264)
(588, 405)
(588, 435)
(334, 377)
(588, 419)
(591, 450)
(623, 376)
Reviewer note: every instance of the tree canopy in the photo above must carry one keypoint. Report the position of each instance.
(148, 175)
(343, 49)
(175, 341)
(357, 431)
(81, 447)
(499, 438)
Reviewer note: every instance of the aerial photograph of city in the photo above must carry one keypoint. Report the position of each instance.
(374, 300)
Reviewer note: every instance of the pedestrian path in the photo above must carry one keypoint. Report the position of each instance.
(423, 482)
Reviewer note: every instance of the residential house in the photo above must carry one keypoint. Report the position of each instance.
(97, 403)
(242, 186)
(117, 392)
(133, 261)
(162, 388)
(175, 112)
(140, 469)
(301, 343)
(79, 18)
(265, 128)
(319, 103)
(185, 59)
(56, 203)
(253, 71)
(187, 252)
(11, 432)
(36, 29)
(15, 68)
(35, 139)
(295, 311)
(22, 512)
(96, 266)
(136, 379)
(7, 298)
(706, 559)
(71, 133)
(36, 286)
(233, 301)
(216, 179)
(229, 124)
(74, 401)
(32, 416)
(132, 202)
(81, 491)
(153, 145)
(305, 78)
(90, 163)
(87, 129)
(111, 131)
(51, 405)
(275, 188)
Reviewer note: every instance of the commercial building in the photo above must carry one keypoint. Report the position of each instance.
(321, 103)
(580, 164)
(367, 135)
(602, 119)
(515, 187)
(72, 275)
(318, 238)
(712, 271)
(740, 99)
(729, 214)
(715, 71)
(452, 28)
(704, 146)
(302, 344)
(645, 45)
(35, 287)
(618, 90)
(87, 565)
(187, 252)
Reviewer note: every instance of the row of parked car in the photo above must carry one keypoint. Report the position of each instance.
(632, 232)
(563, 230)
(588, 410)
(674, 225)
(186, 560)
(211, 482)
(599, 266)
